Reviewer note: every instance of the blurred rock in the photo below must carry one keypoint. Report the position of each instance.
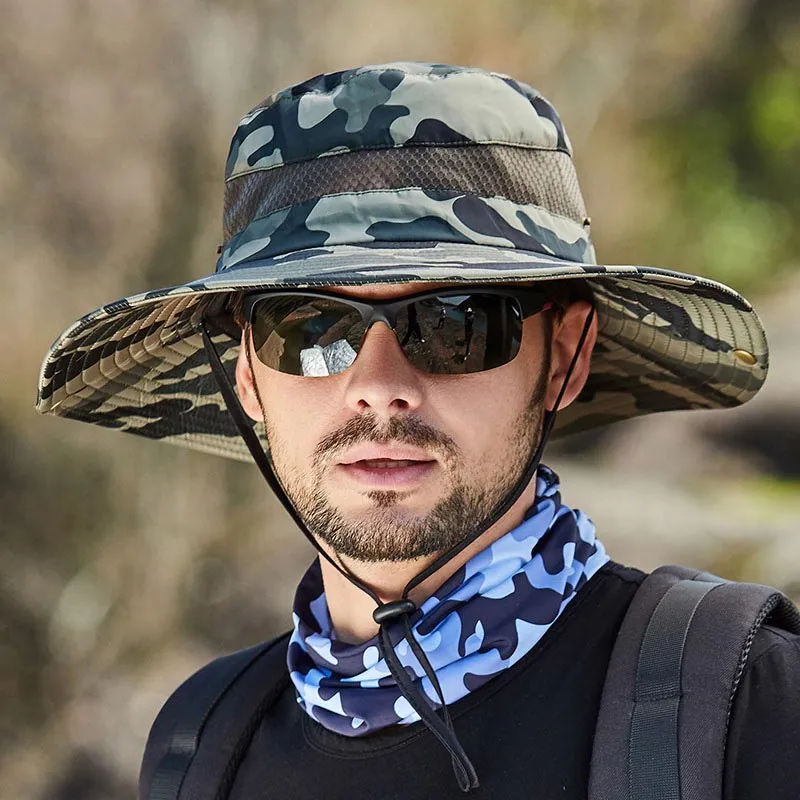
(734, 527)
(87, 778)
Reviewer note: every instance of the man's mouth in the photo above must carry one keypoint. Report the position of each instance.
(388, 463)
(377, 470)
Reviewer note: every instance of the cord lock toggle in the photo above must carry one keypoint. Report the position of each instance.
(393, 610)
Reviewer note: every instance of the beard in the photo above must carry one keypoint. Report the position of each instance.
(386, 532)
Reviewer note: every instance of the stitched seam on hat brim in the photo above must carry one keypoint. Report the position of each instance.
(481, 143)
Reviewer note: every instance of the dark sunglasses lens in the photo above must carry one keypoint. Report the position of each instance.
(454, 335)
(306, 335)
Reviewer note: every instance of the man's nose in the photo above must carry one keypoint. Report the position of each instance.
(381, 379)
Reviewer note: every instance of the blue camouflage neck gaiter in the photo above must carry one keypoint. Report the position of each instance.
(481, 621)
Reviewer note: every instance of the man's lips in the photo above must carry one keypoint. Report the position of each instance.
(384, 453)
(386, 466)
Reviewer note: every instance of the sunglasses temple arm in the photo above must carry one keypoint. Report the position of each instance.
(246, 430)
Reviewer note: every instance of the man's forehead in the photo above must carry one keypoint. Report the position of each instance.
(388, 291)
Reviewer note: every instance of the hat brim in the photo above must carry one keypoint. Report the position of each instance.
(666, 340)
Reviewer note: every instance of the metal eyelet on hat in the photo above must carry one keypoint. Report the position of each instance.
(746, 357)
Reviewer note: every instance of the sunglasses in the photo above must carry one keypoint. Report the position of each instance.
(450, 332)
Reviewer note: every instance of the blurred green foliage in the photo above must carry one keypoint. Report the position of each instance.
(730, 155)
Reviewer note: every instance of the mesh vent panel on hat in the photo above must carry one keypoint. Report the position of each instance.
(546, 178)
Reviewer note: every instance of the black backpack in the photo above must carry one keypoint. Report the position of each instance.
(676, 664)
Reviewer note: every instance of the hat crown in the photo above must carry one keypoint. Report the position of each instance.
(401, 153)
(393, 105)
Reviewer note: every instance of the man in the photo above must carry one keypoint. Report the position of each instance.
(408, 305)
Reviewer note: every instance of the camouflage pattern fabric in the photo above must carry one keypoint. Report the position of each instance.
(481, 621)
(392, 105)
(403, 173)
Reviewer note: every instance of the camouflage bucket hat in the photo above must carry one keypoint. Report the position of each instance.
(399, 173)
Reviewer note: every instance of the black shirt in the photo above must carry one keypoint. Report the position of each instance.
(529, 730)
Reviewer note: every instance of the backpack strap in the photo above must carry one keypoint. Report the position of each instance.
(673, 674)
(202, 733)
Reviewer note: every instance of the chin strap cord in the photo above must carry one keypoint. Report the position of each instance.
(440, 727)
(246, 430)
(393, 618)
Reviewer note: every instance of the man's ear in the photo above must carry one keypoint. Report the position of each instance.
(246, 384)
(566, 336)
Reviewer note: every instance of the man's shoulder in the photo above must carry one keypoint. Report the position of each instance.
(771, 676)
(237, 678)
(772, 647)
(622, 573)
(775, 644)
(762, 753)
(615, 584)
(751, 680)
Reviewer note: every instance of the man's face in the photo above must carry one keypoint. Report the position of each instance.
(387, 463)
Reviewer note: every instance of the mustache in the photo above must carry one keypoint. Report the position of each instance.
(404, 430)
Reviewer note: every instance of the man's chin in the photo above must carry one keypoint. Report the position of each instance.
(355, 501)
(384, 510)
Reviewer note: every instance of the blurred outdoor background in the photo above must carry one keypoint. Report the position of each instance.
(125, 564)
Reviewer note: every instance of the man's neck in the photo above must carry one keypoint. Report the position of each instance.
(351, 609)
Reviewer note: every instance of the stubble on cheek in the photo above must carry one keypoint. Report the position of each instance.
(305, 477)
(383, 532)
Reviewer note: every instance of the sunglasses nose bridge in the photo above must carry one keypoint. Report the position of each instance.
(388, 317)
